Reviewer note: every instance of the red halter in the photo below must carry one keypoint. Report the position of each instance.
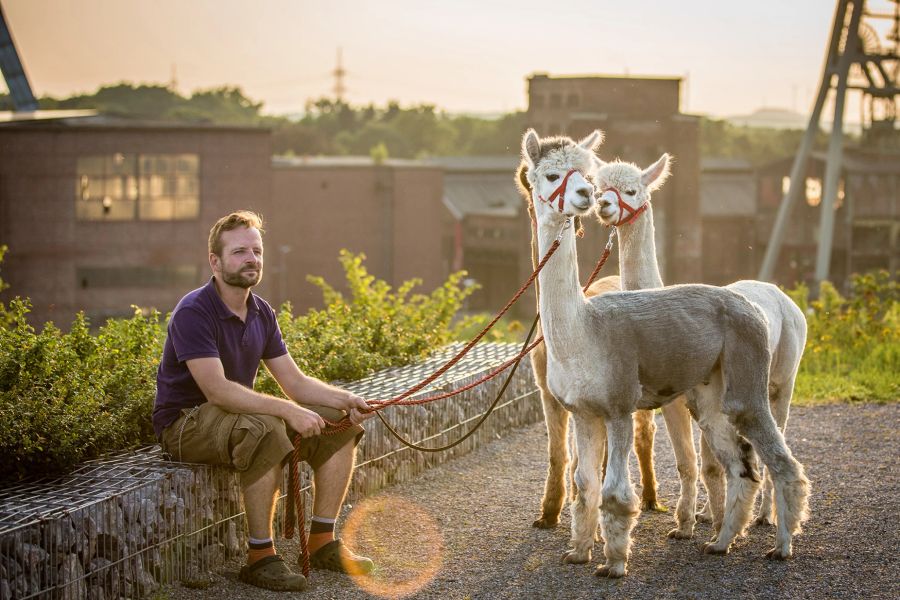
(633, 213)
(559, 192)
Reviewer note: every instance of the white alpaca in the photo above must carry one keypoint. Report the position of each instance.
(625, 188)
(639, 270)
(623, 351)
(556, 417)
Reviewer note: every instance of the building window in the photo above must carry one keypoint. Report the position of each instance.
(555, 100)
(813, 192)
(170, 276)
(145, 187)
(537, 101)
(572, 100)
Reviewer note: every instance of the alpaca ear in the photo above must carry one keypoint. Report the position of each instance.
(531, 147)
(522, 180)
(593, 141)
(656, 174)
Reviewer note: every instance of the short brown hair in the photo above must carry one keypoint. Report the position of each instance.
(239, 218)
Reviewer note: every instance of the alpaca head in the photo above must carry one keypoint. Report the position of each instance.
(622, 186)
(554, 176)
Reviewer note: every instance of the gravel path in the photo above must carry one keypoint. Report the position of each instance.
(468, 522)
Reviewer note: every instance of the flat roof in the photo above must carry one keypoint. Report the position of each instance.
(595, 76)
(486, 194)
(718, 163)
(854, 161)
(507, 163)
(301, 162)
(91, 119)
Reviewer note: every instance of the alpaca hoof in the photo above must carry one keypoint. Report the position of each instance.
(545, 523)
(573, 557)
(776, 554)
(711, 548)
(762, 521)
(678, 534)
(653, 505)
(612, 572)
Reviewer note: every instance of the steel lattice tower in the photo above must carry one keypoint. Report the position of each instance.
(855, 61)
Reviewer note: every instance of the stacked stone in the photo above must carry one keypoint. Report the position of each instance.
(126, 546)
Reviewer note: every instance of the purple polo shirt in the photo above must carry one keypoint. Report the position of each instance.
(201, 326)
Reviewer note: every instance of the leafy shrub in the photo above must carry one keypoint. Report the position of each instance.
(853, 344)
(373, 328)
(70, 397)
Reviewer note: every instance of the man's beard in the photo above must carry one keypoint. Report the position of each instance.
(239, 279)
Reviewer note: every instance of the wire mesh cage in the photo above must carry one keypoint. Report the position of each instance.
(120, 527)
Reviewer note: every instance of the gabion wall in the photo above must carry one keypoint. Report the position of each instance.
(118, 528)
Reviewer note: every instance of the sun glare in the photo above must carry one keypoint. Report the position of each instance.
(403, 540)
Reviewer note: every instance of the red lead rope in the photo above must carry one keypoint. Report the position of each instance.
(295, 514)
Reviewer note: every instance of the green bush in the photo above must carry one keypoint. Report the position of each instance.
(375, 327)
(70, 397)
(853, 344)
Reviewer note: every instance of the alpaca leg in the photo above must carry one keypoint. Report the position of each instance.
(780, 403)
(766, 514)
(736, 456)
(714, 481)
(678, 424)
(644, 432)
(619, 509)
(742, 481)
(589, 441)
(557, 420)
(790, 482)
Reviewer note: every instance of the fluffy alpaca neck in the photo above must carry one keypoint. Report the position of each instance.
(638, 267)
(559, 294)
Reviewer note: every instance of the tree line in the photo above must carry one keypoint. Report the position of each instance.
(334, 127)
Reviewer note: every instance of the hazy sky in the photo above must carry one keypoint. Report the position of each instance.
(462, 55)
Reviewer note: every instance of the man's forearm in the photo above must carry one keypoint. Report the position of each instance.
(309, 390)
(233, 397)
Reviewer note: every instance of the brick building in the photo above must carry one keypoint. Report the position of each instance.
(867, 216)
(641, 119)
(391, 211)
(739, 204)
(728, 214)
(101, 213)
(488, 227)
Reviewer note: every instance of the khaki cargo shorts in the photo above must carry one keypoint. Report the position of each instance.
(249, 443)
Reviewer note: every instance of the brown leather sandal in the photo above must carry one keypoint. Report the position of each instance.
(335, 556)
(272, 573)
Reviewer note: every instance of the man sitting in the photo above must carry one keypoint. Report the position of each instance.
(206, 410)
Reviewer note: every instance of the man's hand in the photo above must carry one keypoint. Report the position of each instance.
(355, 408)
(304, 421)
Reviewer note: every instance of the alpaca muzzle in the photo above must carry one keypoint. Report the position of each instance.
(582, 202)
(611, 197)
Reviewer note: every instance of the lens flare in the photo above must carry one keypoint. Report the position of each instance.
(403, 540)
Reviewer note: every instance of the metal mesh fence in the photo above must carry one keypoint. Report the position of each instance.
(119, 527)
